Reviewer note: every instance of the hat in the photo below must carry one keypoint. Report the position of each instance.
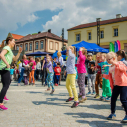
(89, 54)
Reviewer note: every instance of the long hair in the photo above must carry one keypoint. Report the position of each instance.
(122, 54)
(7, 40)
(84, 51)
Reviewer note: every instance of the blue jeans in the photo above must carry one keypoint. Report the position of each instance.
(21, 75)
(57, 77)
(49, 80)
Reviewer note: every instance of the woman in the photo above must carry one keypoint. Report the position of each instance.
(6, 59)
(38, 68)
(31, 75)
(60, 60)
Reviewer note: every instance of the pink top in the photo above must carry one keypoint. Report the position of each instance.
(81, 63)
(34, 64)
(25, 62)
(120, 75)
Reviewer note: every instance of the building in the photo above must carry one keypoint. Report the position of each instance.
(45, 42)
(110, 30)
(15, 36)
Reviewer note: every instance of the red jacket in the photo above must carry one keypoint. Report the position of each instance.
(120, 75)
(57, 70)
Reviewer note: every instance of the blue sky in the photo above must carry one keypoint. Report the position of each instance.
(30, 16)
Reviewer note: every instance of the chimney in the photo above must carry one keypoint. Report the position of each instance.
(39, 32)
(118, 16)
(49, 30)
(98, 19)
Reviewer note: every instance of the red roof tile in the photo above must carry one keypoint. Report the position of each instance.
(15, 36)
(101, 23)
(40, 35)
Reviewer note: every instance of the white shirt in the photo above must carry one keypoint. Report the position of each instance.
(38, 66)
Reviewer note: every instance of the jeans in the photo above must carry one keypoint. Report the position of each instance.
(21, 75)
(57, 78)
(50, 80)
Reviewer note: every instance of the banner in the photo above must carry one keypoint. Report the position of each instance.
(119, 45)
(116, 46)
(111, 47)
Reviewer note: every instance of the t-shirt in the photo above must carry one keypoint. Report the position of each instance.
(8, 57)
(90, 64)
(104, 70)
(11, 71)
(112, 71)
(25, 62)
(99, 69)
(34, 64)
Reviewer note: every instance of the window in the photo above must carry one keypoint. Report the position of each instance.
(77, 37)
(89, 36)
(30, 46)
(21, 46)
(102, 34)
(41, 44)
(36, 46)
(17, 47)
(116, 32)
(51, 45)
(26, 47)
(56, 46)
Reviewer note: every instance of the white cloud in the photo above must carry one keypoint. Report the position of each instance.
(73, 12)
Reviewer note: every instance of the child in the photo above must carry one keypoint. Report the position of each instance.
(118, 81)
(98, 76)
(71, 75)
(11, 73)
(57, 71)
(81, 73)
(50, 75)
(91, 74)
(105, 83)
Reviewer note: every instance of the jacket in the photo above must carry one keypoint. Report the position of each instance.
(120, 75)
(81, 63)
(57, 70)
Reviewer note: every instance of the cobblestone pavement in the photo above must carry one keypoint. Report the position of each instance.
(32, 106)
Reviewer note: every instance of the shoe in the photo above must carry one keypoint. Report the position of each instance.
(56, 84)
(93, 93)
(69, 99)
(124, 120)
(2, 107)
(79, 96)
(96, 96)
(18, 84)
(75, 104)
(82, 100)
(88, 93)
(52, 91)
(5, 99)
(108, 99)
(30, 83)
(111, 116)
(48, 89)
(102, 98)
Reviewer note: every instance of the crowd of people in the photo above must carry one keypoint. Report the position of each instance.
(108, 71)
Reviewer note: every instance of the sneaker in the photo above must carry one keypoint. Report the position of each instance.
(75, 104)
(48, 89)
(5, 99)
(96, 96)
(69, 99)
(56, 84)
(82, 100)
(2, 107)
(102, 98)
(108, 99)
(52, 91)
(88, 93)
(18, 84)
(111, 116)
(79, 96)
(93, 93)
(124, 120)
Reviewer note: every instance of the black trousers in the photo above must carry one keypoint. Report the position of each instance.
(44, 75)
(6, 80)
(37, 74)
(122, 91)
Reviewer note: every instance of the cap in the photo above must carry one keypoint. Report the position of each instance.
(89, 54)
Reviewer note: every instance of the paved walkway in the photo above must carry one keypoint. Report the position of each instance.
(32, 106)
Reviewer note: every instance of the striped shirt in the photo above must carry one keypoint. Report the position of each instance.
(70, 68)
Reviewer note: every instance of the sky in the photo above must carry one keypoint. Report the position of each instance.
(31, 16)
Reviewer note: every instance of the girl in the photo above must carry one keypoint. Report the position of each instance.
(50, 75)
(6, 59)
(118, 81)
(38, 67)
(71, 75)
(81, 73)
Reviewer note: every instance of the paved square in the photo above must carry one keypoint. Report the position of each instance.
(32, 106)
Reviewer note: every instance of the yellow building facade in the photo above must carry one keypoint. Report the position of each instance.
(110, 31)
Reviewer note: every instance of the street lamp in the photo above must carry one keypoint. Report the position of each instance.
(98, 30)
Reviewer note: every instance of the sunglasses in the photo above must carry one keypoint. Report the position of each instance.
(109, 59)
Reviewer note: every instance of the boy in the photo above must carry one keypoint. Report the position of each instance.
(91, 74)
(105, 83)
(11, 73)
(57, 71)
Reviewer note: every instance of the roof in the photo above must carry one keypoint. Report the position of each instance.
(41, 35)
(101, 23)
(16, 36)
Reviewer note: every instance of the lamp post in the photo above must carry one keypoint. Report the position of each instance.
(62, 39)
(98, 31)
